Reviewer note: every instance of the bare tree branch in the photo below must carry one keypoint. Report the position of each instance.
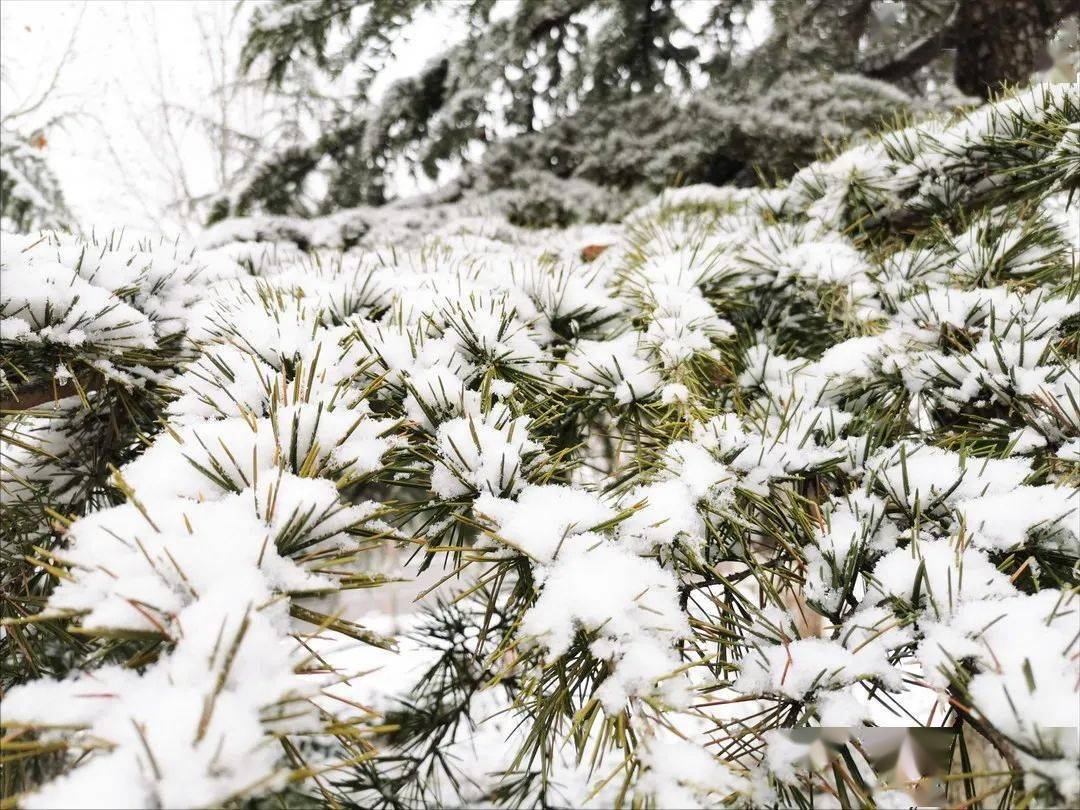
(28, 106)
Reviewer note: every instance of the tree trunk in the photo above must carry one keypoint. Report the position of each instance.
(1001, 41)
(996, 42)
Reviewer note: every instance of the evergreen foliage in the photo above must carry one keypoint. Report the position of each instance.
(30, 195)
(653, 143)
(752, 461)
(565, 81)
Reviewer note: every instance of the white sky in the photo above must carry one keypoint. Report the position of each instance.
(107, 89)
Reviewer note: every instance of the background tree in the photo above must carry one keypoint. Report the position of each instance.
(569, 77)
(215, 138)
(30, 193)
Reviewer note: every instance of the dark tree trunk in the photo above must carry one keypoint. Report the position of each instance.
(999, 41)
(996, 42)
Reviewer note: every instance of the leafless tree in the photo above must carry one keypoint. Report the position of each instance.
(195, 147)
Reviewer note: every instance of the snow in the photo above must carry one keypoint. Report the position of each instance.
(481, 454)
(199, 746)
(926, 475)
(1001, 522)
(542, 519)
(680, 773)
(600, 586)
(616, 366)
(799, 668)
(742, 464)
(96, 295)
(945, 577)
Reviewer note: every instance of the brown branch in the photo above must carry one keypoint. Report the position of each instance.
(918, 53)
(27, 397)
(989, 733)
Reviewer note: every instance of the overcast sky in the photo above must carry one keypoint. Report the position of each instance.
(123, 52)
(104, 90)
